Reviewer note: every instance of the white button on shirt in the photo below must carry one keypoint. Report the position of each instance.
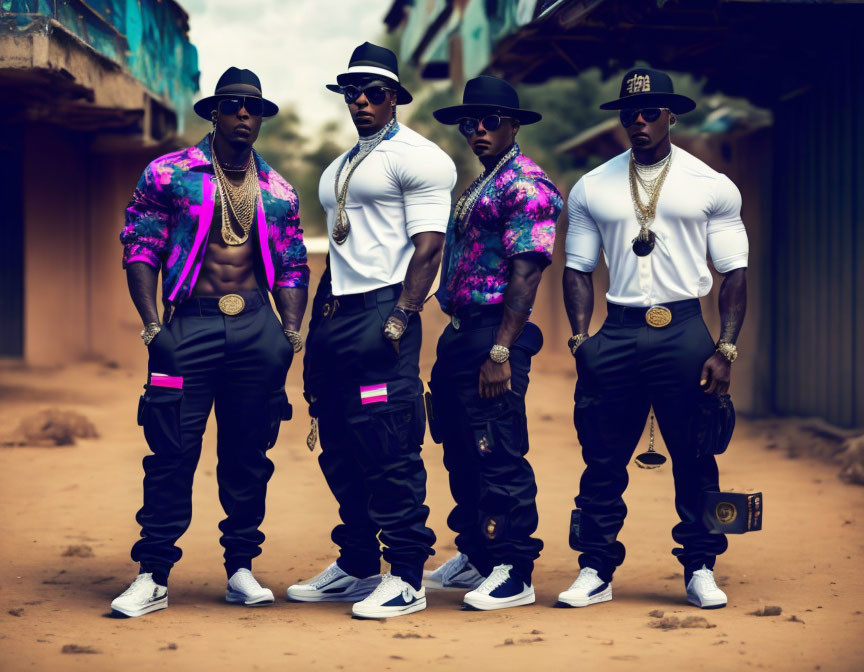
(698, 212)
(401, 189)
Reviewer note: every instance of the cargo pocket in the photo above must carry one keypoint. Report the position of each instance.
(278, 410)
(711, 424)
(499, 428)
(159, 415)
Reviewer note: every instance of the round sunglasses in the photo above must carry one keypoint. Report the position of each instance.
(375, 94)
(468, 126)
(649, 114)
(254, 106)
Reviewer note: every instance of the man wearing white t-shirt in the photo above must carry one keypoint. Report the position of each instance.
(656, 212)
(388, 204)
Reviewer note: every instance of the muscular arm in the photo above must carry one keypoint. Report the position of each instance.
(717, 370)
(525, 274)
(291, 304)
(142, 280)
(578, 299)
(422, 269)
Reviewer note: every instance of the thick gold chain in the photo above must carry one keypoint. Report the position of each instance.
(645, 212)
(241, 201)
(465, 205)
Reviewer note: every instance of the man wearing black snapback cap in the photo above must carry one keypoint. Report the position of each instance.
(223, 228)
(656, 212)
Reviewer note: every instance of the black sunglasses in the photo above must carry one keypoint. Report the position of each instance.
(375, 94)
(254, 106)
(649, 114)
(468, 126)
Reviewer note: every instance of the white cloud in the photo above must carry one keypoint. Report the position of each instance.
(294, 46)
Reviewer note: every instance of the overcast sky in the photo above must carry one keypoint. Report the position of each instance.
(294, 46)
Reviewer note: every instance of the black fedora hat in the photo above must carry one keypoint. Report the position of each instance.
(235, 82)
(487, 95)
(643, 87)
(370, 60)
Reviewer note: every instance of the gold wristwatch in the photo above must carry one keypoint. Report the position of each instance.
(728, 350)
(575, 341)
(148, 333)
(499, 354)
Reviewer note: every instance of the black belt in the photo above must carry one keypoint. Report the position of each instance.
(350, 304)
(638, 316)
(477, 317)
(230, 304)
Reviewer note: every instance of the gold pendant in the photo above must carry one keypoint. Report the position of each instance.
(341, 228)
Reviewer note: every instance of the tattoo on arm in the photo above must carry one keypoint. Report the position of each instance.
(578, 299)
(525, 274)
(291, 304)
(142, 280)
(733, 304)
(422, 270)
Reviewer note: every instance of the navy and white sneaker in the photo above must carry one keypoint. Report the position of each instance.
(502, 589)
(244, 589)
(457, 572)
(333, 585)
(586, 590)
(142, 597)
(703, 592)
(392, 597)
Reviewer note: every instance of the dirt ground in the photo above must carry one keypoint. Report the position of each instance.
(68, 524)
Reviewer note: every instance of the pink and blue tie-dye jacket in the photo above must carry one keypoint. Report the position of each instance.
(168, 222)
(515, 215)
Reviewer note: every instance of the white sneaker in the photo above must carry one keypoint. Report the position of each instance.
(244, 589)
(502, 589)
(140, 598)
(333, 585)
(702, 590)
(457, 572)
(587, 589)
(392, 597)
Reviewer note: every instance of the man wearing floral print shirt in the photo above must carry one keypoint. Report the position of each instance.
(223, 228)
(498, 243)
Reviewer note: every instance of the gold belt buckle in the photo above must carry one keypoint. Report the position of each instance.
(658, 316)
(455, 322)
(232, 304)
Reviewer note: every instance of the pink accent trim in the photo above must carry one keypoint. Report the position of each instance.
(146, 258)
(373, 394)
(157, 380)
(265, 248)
(205, 218)
(381, 387)
(373, 400)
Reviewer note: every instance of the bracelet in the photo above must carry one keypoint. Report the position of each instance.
(295, 339)
(148, 333)
(728, 350)
(575, 341)
(397, 323)
(499, 354)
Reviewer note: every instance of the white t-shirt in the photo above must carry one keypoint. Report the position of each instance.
(698, 212)
(401, 189)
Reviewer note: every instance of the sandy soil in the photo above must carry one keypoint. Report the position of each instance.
(807, 560)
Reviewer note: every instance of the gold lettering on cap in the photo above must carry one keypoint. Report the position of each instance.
(639, 84)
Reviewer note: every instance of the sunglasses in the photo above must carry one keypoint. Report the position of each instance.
(468, 126)
(650, 114)
(254, 106)
(375, 94)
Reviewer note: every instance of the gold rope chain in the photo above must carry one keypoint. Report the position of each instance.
(241, 201)
(468, 199)
(645, 212)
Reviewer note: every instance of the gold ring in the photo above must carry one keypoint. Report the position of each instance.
(658, 316)
(232, 304)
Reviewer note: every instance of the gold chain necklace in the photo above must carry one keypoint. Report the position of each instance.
(465, 205)
(341, 226)
(241, 201)
(645, 212)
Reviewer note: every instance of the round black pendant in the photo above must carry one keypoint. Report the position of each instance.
(650, 460)
(643, 244)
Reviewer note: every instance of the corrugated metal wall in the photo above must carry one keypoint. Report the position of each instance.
(818, 244)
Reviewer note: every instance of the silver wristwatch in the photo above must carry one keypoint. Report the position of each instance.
(148, 333)
(499, 354)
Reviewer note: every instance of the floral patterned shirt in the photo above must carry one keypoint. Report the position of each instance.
(516, 214)
(168, 222)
